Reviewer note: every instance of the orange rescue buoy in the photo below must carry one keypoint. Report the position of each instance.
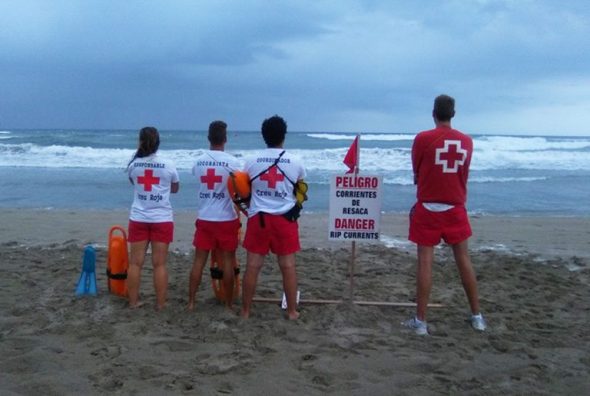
(117, 262)
(238, 186)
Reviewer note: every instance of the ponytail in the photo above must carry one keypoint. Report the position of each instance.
(149, 141)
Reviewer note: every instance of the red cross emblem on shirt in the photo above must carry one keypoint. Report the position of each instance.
(148, 180)
(451, 156)
(272, 177)
(210, 178)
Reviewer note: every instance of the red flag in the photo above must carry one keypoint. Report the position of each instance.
(351, 160)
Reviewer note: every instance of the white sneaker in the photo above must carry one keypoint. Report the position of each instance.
(478, 322)
(419, 326)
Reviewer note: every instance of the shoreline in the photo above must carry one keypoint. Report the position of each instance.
(544, 237)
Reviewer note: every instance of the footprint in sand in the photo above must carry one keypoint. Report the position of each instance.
(109, 352)
(224, 363)
(174, 346)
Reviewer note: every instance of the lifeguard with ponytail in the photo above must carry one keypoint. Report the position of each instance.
(151, 219)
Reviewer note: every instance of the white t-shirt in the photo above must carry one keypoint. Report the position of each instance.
(272, 192)
(152, 177)
(437, 207)
(212, 171)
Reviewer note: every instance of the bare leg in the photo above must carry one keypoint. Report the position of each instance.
(195, 276)
(137, 258)
(468, 279)
(159, 256)
(288, 270)
(254, 263)
(423, 279)
(228, 277)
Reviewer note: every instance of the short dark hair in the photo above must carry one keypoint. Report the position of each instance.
(217, 132)
(444, 108)
(274, 130)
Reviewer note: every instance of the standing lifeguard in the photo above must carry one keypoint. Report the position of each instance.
(151, 219)
(440, 160)
(272, 216)
(217, 222)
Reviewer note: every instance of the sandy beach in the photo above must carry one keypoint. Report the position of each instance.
(534, 285)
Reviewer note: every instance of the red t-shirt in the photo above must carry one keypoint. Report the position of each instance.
(440, 160)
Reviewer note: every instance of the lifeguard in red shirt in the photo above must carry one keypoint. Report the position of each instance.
(440, 160)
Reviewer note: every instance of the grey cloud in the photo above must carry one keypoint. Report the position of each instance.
(177, 64)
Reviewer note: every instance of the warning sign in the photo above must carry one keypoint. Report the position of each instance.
(355, 208)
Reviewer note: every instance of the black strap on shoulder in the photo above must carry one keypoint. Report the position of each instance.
(276, 163)
(288, 178)
(267, 169)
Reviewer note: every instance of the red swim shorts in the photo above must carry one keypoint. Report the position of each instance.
(427, 227)
(211, 235)
(152, 232)
(274, 233)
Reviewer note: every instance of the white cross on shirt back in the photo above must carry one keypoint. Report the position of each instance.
(451, 156)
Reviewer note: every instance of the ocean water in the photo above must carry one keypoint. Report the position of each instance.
(510, 175)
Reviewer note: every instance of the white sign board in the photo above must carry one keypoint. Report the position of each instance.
(355, 208)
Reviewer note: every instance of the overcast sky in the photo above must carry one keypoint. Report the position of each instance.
(514, 67)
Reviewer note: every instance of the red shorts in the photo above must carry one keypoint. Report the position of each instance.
(277, 234)
(211, 235)
(427, 227)
(152, 232)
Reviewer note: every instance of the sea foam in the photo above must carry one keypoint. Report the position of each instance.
(372, 160)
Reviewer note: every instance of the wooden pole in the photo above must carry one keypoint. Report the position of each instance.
(312, 301)
(319, 301)
(351, 271)
(395, 304)
(353, 243)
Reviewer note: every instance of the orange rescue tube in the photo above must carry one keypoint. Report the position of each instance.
(217, 276)
(217, 271)
(117, 262)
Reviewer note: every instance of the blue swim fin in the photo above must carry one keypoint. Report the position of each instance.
(89, 259)
(87, 281)
(81, 287)
(92, 284)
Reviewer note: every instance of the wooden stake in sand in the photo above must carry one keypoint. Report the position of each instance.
(353, 243)
(351, 271)
(374, 303)
(352, 160)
